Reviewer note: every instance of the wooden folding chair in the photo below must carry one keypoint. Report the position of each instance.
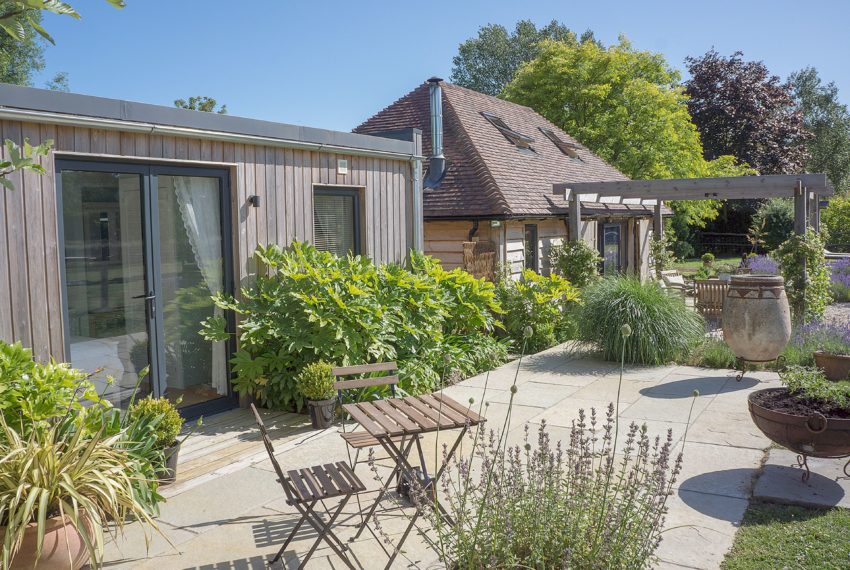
(306, 487)
(359, 440)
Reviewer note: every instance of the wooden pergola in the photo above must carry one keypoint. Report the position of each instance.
(806, 189)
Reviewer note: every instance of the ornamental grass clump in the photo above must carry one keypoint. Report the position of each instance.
(663, 328)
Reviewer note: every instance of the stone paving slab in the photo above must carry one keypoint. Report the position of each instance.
(781, 481)
(238, 519)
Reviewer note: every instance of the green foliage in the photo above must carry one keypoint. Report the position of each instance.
(22, 158)
(489, 61)
(707, 258)
(811, 385)
(164, 417)
(622, 103)
(807, 275)
(19, 17)
(663, 327)
(783, 536)
(53, 473)
(310, 305)
(836, 220)
(575, 261)
(542, 303)
(20, 57)
(201, 103)
(773, 223)
(660, 253)
(315, 381)
(828, 119)
(711, 353)
(704, 273)
(32, 394)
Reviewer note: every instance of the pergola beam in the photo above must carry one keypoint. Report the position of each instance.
(725, 188)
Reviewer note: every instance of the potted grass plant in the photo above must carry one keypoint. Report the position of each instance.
(166, 423)
(316, 383)
(59, 488)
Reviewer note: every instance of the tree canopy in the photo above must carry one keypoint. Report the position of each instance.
(740, 109)
(19, 18)
(21, 57)
(201, 103)
(829, 122)
(488, 62)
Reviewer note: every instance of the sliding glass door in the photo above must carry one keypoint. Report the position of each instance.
(145, 248)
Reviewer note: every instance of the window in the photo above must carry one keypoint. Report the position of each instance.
(567, 148)
(517, 139)
(336, 220)
(610, 248)
(531, 245)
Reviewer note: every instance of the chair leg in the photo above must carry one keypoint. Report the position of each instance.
(325, 533)
(291, 534)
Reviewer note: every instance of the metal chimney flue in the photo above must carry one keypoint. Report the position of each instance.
(437, 162)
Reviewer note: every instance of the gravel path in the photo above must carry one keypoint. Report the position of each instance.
(838, 313)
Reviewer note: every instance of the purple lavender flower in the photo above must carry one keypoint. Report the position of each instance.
(763, 265)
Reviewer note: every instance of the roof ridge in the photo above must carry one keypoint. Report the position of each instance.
(493, 189)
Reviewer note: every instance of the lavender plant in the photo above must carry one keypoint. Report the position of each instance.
(763, 265)
(589, 502)
(840, 279)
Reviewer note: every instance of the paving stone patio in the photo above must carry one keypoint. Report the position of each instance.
(238, 519)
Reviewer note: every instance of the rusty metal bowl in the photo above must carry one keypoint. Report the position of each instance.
(814, 435)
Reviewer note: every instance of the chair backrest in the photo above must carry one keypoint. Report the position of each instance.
(270, 450)
(710, 294)
(341, 372)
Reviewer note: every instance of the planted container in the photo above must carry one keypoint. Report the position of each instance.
(63, 547)
(322, 412)
(169, 474)
(835, 366)
(756, 317)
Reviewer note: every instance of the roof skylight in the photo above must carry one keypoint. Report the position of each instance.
(567, 148)
(517, 139)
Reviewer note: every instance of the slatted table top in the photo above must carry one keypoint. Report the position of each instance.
(412, 415)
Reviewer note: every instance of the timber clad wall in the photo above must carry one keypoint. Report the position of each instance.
(30, 296)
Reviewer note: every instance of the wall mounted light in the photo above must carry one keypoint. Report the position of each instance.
(254, 201)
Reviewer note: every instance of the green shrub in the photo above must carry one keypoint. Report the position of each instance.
(309, 305)
(663, 327)
(661, 254)
(315, 381)
(802, 263)
(33, 393)
(773, 223)
(162, 415)
(707, 258)
(704, 273)
(711, 353)
(540, 302)
(811, 385)
(836, 220)
(576, 261)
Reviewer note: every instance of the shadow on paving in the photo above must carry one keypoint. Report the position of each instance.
(253, 563)
(707, 386)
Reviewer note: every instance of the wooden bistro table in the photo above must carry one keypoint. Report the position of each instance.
(396, 422)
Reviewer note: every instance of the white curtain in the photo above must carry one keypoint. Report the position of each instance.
(200, 207)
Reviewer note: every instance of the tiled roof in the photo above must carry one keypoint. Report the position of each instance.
(487, 175)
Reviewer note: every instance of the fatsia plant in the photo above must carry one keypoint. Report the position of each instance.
(19, 15)
(53, 473)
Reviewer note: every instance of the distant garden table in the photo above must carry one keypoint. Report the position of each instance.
(396, 423)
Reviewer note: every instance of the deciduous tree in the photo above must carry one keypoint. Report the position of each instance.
(21, 57)
(829, 122)
(201, 103)
(742, 110)
(19, 18)
(488, 62)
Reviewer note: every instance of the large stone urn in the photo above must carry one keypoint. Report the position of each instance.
(756, 317)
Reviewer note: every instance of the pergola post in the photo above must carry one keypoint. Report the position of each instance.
(801, 209)
(575, 216)
(657, 220)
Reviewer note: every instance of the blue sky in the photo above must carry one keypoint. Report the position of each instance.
(334, 63)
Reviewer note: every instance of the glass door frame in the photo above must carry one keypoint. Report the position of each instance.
(148, 173)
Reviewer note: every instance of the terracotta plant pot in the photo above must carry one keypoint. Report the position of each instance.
(60, 539)
(835, 366)
(170, 474)
(756, 317)
(813, 434)
(321, 412)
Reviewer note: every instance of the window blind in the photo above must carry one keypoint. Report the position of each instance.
(334, 227)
